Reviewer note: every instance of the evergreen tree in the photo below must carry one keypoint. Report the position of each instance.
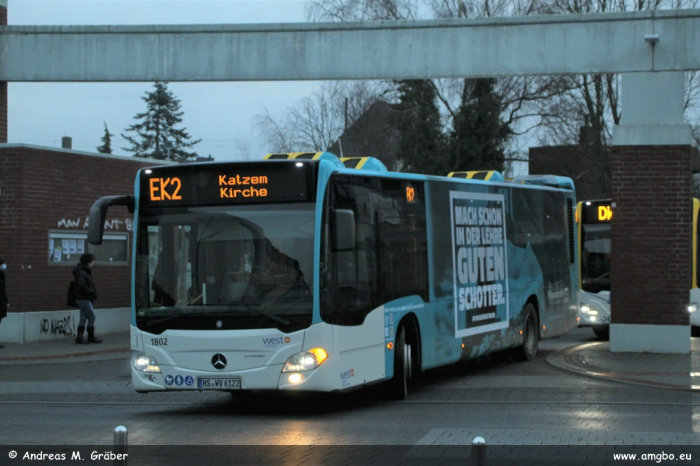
(479, 136)
(421, 144)
(156, 136)
(106, 147)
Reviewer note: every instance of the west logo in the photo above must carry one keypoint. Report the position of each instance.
(274, 341)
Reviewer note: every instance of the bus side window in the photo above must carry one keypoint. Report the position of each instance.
(527, 222)
(350, 283)
(389, 258)
(343, 245)
(346, 268)
(403, 257)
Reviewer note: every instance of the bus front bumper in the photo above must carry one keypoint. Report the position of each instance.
(327, 377)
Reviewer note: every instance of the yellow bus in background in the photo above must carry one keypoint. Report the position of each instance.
(594, 228)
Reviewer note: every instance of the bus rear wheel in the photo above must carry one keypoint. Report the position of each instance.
(397, 388)
(528, 350)
(602, 333)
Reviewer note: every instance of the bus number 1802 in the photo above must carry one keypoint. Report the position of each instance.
(159, 341)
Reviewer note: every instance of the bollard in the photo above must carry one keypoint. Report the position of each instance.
(120, 442)
(478, 451)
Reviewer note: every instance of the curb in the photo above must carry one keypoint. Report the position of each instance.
(563, 360)
(64, 356)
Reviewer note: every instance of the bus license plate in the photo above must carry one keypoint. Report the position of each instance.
(230, 384)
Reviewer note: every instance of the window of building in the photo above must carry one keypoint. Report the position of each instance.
(68, 246)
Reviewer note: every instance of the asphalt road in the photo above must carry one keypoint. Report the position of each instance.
(504, 401)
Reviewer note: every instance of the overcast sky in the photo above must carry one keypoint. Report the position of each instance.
(221, 114)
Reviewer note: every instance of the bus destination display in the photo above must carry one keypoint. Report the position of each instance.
(231, 187)
(596, 212)
(211, 186)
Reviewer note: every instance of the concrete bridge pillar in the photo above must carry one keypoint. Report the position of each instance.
(651, 227)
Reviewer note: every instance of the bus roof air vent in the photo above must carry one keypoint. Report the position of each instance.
(364, 163)
(553, 181)
(486, 175)
(302, 156)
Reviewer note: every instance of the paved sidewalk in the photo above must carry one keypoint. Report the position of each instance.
(113, 346)
(674, 371)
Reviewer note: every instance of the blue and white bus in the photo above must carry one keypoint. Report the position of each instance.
(307, 272)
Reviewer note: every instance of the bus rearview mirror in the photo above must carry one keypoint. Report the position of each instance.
(98, 214)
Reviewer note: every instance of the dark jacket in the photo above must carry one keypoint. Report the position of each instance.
(3, 295)
(84, 284)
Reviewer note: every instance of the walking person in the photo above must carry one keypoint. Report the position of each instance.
(4, 303)
(85, 294)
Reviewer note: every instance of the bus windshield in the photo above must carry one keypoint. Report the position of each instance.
(595, 257)
(225, 267)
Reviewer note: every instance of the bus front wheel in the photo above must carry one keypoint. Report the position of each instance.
(528, 350)
(398, 386)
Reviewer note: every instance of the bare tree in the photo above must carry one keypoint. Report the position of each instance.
(361, 10)
(316, 122)
(311, 125)
(485, 8)
(244, 150)
(559, 110)
(278, 134)
(592, 101)
(692, 103)
(583, 109)
(513, 94)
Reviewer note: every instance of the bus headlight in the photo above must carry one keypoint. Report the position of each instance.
(693, 307)
(145, 363)
(306, 360)
(586, 309)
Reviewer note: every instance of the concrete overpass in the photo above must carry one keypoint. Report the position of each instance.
(532, 45)
(651, 153)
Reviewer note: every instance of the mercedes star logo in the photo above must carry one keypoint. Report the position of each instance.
(218, 361)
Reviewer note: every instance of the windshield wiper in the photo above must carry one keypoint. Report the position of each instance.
(178, 315)
(272, 317)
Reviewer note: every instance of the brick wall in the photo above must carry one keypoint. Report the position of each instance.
(586, 165)
(3, 111)
(43, 190)
(652, 190)
(3, 89)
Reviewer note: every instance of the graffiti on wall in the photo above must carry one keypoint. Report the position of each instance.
(61, 326)
(67, 223)
(114, 224)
